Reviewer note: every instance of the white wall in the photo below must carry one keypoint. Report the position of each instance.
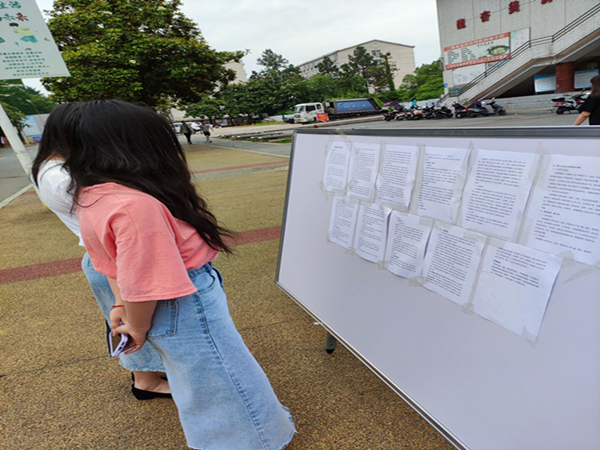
(401, 56)
(543, 20)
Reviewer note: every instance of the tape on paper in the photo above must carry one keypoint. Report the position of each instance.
(527, 335)
(582, 273)
(468, 308)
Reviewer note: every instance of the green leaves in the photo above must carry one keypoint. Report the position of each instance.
(133, 50)
(23, 100)
(279, 86)
(427, 82)
(16, 117)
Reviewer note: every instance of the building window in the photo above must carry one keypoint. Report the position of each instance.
(376, 53)
(514, 7)
(460, 24)
(485, 16)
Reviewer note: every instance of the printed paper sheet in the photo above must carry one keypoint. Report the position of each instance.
(442, 181)
(496, 192)
(514, 287)
(564, 216)
(451, 262)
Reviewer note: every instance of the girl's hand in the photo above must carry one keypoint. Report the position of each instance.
(137, 336)
(117, 317)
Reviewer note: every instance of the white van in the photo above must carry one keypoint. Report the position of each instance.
(307, 112)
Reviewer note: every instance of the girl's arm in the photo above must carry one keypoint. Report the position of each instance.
(137, 318)
(117, 313)
(581, 117)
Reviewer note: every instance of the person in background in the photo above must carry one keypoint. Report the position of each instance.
(53, 181)
(187, 131)
(205, 127)
(150, 233)
(591, 107)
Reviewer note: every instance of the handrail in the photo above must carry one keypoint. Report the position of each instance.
(530, 43)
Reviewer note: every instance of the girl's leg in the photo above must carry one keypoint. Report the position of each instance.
(151, 381)
(224, 398)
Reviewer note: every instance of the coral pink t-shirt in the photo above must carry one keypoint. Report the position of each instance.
(133, 238)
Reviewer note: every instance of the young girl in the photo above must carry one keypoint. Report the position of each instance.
(149, 232)
(53, 181)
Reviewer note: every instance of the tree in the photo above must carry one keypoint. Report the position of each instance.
(42, 103)
(389, 78)
(272, 61)
(16, 117)
(210, 107)
(323, 87)
(25, 99)
(361, 63)
(133, 50)
(328, 67)
(277, 87)
(426, 82)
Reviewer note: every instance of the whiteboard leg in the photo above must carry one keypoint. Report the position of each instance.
(330, 343)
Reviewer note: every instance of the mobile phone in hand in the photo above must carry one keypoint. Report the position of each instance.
(117, 343)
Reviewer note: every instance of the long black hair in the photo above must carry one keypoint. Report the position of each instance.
(114, 141)
(52, 143)
(595, 86)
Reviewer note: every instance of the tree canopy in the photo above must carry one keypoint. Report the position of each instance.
(133, 50)
(19, 101)
(427, 82)
(278, 86)
(24, 98)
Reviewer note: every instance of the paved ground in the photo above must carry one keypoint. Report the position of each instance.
(59, 390)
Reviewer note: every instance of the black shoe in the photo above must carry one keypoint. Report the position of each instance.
(147, 395)
(140, 394)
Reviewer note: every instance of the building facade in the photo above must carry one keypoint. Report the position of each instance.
(401, 58)
(518, 47)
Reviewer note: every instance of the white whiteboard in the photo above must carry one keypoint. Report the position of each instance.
(480, 385)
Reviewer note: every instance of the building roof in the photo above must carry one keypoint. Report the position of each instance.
(353, 46)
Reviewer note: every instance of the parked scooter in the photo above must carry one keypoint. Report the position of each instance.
(392, 111)
(478, 109)
(402, 114)
(439, 113)
(460, 111)
(415, 114)
(572, 103)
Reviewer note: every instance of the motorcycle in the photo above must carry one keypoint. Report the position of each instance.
(460, 111)
(477, 109)
(402, 114)
(573, 103)
(392, 112)
(439, 113)
(416, 113)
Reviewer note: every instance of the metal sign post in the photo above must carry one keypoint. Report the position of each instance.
(28, 51)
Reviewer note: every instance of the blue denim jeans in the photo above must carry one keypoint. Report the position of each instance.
(145, 359)
(224, 398)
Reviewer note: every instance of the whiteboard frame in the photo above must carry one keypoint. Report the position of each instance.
(586, 132)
